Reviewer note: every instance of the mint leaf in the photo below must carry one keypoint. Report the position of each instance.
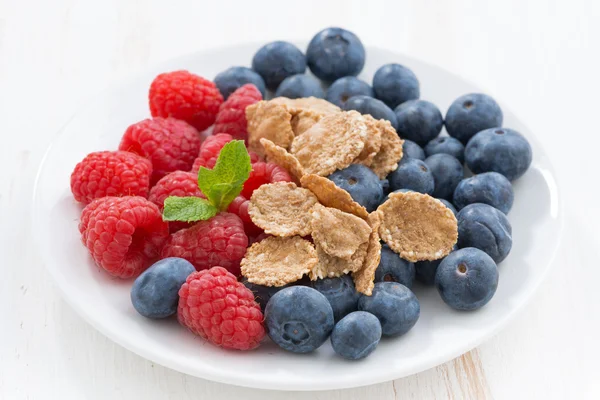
(187, 209)
(225, 181)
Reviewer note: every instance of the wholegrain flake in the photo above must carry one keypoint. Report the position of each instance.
(280, 156)
(282, 209)
(365, 276)
(277, 261)
(306, 111)
(331, 195)
(331, 267)
(331, 144)
(337, 233)
(373, 143)
(270, 121)
(417, 226)
(390, 152)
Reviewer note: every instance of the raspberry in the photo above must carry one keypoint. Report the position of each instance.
(218, 241)
(168, 143)
(110, 173)
(263, 173)
(231, 118)
(178, 183)
(215, 306)
(185, 96)
(210, 149)
(239, 207)
(123, 234)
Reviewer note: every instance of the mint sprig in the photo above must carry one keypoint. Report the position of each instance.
(221, 185)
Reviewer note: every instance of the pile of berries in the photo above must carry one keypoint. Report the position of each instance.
(158, 208)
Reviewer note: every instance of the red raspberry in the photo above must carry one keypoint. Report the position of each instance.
(178, 183)
(123, 234)
(239, 207)
(110, 173)
(185, 96)
(263, 173)
(210, 149)
(231, 118)
(170, 144)
(218, 241)
(215, 306)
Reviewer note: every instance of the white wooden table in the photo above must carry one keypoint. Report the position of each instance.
(541, 59)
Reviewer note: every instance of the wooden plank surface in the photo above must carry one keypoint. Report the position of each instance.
(542, 58)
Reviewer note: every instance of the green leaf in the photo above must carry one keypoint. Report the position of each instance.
(225, 181)
(187, 209)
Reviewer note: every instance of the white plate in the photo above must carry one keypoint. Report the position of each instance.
(440, 335)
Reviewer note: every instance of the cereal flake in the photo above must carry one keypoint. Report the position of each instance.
(277, 261)
(364, 277)
(417, 226)
(282, 209)
(331, 267)
(280, 156)
(271, 121)
(390, 152)
(331, 195)
(373, 143)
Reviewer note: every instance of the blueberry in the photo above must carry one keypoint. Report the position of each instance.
(155, 293)
(362, 184)
(396, 307)
(234, 77)
(262, 294)
(486, 228)
(341, 90)
(301, 85)
(392, 268)
(412, 174)
(470, 114)
(467, 279)
(446, 145)
(368, 105)
(449, 205)
(334, 53)
(299, 319)
(447, 173)
(412, 150)
(489, 188)
(356, 336)
(425, 270)
(499, 150)
(394, 84)
(276, 61)
(396, 191)
(419, 121)
(341, 294)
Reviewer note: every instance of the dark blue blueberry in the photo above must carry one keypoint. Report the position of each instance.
(449, 205)
(299, 319)
(341, 294)
(489, 188)
(470, 114)
(278, 60)
(301, 85)
(155, 293)
(234, 77)
(396, 307)
(392, 268)
(395, 191)
(394, 84)
(447, 173)
(262, 294)
(446, 145)
(412, 174)
(368, 105)
(486, 228)
(341, 90)
(467, 279)
(425, 270)
(334, 53)
(412, 150)
(385, 185)
(419, 121)
(499, 150)
(362, 184)
(356, 336)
